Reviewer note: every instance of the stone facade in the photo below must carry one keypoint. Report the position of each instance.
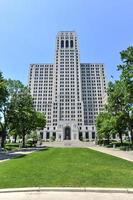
(70, 93)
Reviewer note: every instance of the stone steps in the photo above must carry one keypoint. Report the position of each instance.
(69, 143)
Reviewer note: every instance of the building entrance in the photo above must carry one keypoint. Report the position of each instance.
(67, 133)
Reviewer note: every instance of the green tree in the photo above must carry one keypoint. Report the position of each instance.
(116, 106)
(13, 132)
(22, 115)
(127, 79)
(40, 120)
(3, 108)
(120, 100)
(14, 88)
(105, 125)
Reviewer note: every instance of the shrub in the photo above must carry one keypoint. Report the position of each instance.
(109, 145)
(31, 142)
(12, 146)
(124, 148)
(52, 138)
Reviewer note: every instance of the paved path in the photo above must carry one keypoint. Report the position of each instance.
(127, 155)
(4, 156)
(65, 196)
(68, 143)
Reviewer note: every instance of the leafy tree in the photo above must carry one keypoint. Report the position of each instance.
(105, 125)
(116, 106)
(14, 88)
(115, 93)
(40, 120)
(22, 115)
(32, 138)
(13, 132)
(3, 108)
(120, 100)
(127, 79)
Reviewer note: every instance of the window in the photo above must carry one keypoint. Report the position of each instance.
(41, 135)
(54, 135)
(71, 43)
(86, 135)
(67, 43)
(93, 135)
(47, 135)
(62, 43)
(80, 136)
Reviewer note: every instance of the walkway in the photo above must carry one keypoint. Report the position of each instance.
(68, 143)
(126, 155)
(4, 156)
(59, 195)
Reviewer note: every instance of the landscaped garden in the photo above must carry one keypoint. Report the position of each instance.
(77, 167)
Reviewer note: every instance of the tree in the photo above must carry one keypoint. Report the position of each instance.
(32, 138)
(17, 112)
(22, 115)
(127, 79)
(116, 106)
(40, 120)
(120, 100)
(14, 88)
(105, 125)
(3, 108)
(13, 132)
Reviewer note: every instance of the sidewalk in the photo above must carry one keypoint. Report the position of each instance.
(66, 194)
(4, 156)
(126, 155)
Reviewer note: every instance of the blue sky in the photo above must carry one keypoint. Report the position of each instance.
(28, 29)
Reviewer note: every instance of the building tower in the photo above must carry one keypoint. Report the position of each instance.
(71, 94)
(68, 106)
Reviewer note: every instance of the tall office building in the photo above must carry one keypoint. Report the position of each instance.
(70, 93)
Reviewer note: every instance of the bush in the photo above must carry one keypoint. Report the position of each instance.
(124, 148)
(104, 142)
(31, 142)
(12, 146)
(117, 144)
(81, 138)
(109, 145)
(87, 140)
(52, 138)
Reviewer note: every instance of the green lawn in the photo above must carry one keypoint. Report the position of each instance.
(66, 167)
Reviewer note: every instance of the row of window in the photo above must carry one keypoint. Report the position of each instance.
(67, 44)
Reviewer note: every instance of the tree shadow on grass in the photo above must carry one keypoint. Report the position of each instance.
(17, 156)
(20, 153)
(44, 149)
(8, 156)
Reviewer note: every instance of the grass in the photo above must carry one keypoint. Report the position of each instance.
(77, 167)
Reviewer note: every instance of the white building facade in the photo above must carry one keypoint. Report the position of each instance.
(70, 93)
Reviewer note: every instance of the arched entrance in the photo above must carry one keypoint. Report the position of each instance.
(67, 133)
